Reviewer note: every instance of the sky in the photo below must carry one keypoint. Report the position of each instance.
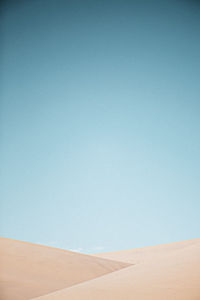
(100, 122)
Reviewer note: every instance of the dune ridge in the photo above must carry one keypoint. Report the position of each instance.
(172, 273)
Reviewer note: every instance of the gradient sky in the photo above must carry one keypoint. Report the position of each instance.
(100, 122)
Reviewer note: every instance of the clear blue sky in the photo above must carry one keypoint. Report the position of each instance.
(100, 122)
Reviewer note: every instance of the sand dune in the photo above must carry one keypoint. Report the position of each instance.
(168, 272)
(29, 270)
(140, 255)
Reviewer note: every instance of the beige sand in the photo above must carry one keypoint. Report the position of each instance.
(165, 272)
(29, 270)
(168, 272)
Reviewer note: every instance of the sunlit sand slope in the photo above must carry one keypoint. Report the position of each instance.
(29, 270)
(168, 272)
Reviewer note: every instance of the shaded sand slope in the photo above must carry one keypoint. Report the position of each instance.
(29, 270)
(173, 273)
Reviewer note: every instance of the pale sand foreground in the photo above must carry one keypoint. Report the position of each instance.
(168, 272)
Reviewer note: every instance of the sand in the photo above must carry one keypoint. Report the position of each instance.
(170, 272)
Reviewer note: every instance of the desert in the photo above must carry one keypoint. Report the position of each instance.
(31, 271)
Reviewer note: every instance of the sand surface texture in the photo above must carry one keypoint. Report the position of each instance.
(170, 272)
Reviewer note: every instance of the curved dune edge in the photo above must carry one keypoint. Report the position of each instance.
(163, 272)
(30, 270)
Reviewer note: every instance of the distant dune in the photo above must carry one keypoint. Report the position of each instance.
(165, 272)
(147, 254)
